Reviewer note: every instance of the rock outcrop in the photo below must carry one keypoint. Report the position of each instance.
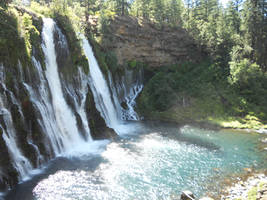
(140, 40)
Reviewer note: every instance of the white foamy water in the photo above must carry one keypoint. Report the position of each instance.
(64, 117)
(100, 89)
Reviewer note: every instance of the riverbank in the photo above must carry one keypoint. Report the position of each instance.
(184, 117)
(252, 186)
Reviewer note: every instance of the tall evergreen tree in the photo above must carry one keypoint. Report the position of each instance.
(255, 27)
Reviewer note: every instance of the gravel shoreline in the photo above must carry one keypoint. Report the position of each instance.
(253, 188)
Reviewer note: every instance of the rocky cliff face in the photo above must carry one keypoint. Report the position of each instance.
(133, 39)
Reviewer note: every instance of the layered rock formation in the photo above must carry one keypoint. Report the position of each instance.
(140, 40)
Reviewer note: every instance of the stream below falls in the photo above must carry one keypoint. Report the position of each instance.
(153, 161)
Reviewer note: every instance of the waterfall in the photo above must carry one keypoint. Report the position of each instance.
(65, 119)
(129, 113)
(41, 99)
(100, 89)
(19, 161)
(80, 105)
(53, 125)
(126, 91)
(109, 104)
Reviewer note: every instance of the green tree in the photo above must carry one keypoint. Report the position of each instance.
(174, 12)
(155, 7)
(141, 8)
(233, 18)
(255, 28)
(4, 3)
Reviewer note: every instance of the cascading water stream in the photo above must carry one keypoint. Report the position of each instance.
(100, 90)
(80, 104)
(40, 99)
(64, 117)
(108, 104)
(130, 113)
(127, 94)
(19, 161)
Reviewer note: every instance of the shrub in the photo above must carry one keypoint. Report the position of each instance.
(244, 72)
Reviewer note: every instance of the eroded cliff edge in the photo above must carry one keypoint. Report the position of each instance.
(133, 39)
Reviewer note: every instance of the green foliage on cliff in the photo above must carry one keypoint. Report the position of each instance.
(10, 41)
(29, 32)
(17, 36)
(77, 55)
(174, 84)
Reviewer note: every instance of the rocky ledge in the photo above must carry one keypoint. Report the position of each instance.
(141, 40)
(253, 188)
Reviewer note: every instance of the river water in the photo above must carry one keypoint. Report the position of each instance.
(153, 161)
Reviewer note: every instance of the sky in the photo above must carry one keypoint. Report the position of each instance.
(224, 2)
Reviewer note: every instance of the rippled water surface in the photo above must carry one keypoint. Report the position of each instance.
(156, 161)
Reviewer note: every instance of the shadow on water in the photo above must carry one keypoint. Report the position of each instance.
(173, 131)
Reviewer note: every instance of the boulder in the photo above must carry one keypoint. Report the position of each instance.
(187, 195)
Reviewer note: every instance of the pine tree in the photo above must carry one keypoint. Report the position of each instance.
(174, 12)
(255, 27)
(233, 18)
(4, 3)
